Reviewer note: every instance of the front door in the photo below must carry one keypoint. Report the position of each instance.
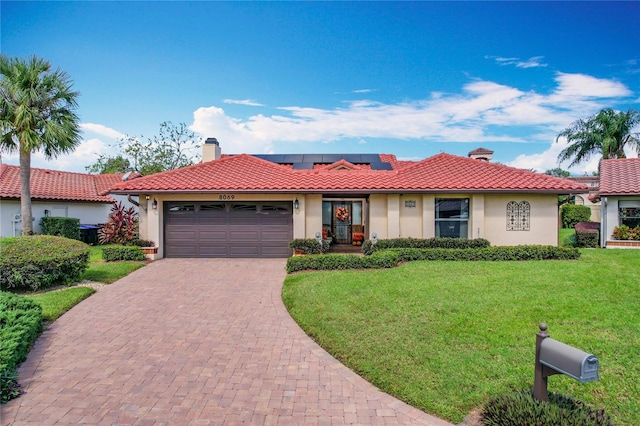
(342, 219)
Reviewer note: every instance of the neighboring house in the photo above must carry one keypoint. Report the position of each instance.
(590, 198)
(619, 197)
(55, 193)
(253, 205)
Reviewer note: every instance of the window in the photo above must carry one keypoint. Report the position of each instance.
(452, 217)
(244, 207)
(213, 207)
(518, 216)
(629, 213)
(175, 208)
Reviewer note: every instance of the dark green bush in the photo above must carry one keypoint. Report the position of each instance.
(521, 409)
(587, 234)
(499, 253)
(341, 261)
(67, 227)
(140, 243)
(41, 261)
(114, 253)
(309, 245)
(572, 214)
(448, 243)
(20, 323)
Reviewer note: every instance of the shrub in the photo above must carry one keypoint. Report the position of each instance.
(67, 227)
(587, 234)
(140, 243)
(20, 323)
(501, 253)
(309, 245)
(521, 409)
(120, 226)
(572, 214)
(368, 247)
(341, 261)
(114, 253)
(41, 261)
(623, 232)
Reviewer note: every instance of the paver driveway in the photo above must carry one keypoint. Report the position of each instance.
(193, 341)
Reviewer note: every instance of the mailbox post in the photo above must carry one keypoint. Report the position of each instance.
(553, 357)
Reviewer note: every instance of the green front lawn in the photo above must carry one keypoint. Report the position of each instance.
(447, 336)
(107, 272)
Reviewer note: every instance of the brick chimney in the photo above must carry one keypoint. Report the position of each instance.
(211, 150)
(482, 154)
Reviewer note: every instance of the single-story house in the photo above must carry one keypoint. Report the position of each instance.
(57, 194)
(619, 198)
(253, 205)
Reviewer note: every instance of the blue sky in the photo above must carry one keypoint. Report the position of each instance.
(405, 78)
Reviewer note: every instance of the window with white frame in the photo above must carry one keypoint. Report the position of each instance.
(629, 213)
(518, 216)
(452, 217)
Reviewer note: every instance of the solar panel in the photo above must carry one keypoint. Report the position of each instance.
(303, 166)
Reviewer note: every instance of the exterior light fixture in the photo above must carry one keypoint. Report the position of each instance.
(296, 204)
(154, 204)
(374, 238)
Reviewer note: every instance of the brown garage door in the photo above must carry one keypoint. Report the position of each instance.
(227, 229)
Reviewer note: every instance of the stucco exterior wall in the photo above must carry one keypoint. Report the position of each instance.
(543, 227)
(410, 216)
(378, 216)
(312, 213)
(88, 213)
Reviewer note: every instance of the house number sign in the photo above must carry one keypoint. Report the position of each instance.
(226, 197)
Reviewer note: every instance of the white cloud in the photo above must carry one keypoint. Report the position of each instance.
(362, 91)
(579, 86)
(484, 112)
(532, 62)
(102, 130)
(247, 102)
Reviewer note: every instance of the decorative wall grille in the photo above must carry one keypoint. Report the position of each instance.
(518, 216)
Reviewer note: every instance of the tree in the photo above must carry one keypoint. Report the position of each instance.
(174, 147)
(558, 172)
(36, 114)
(117, 164)
(607, 133)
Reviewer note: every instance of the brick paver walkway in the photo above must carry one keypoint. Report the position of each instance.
(186, 341)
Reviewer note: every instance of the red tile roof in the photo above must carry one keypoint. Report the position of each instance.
(58, 185)
(442, 172)
(620, 176)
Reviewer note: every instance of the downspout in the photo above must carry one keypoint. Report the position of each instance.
(603, 222)
(135, 203)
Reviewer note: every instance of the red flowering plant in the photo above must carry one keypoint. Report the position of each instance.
(120, 226)
(342, 213)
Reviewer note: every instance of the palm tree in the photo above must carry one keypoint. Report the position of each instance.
(607, 133)
(36, 114)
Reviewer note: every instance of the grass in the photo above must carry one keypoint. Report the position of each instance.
(107, 272)
(447, 336)
(566, 236)
(56, 303)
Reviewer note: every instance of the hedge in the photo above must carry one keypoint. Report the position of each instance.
(499, 253)
(20, 324)
(341, 261)
(389, 258)
(310, 245)
(41, 261)
(449, 243)
(114, 253)
(67, 227)
(587, 234)
(521, 409)
(572, 214)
